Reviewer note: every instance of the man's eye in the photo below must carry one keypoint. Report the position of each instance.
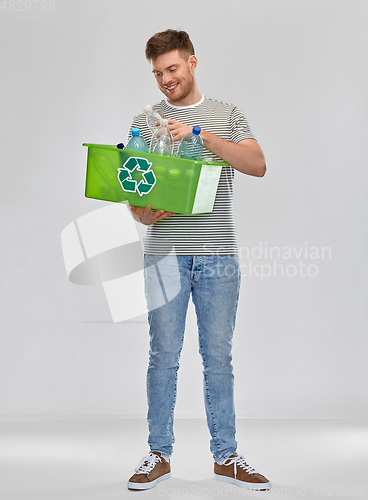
(172, 70)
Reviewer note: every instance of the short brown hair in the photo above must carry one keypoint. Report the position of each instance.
(166, 41)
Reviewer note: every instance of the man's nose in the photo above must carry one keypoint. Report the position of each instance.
(166, 79)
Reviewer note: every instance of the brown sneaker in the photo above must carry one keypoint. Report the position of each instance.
(241, 474)
(151, 469)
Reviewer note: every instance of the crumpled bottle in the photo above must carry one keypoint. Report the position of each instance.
(162, 141)
(152, 117)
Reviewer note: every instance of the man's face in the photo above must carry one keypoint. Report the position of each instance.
(174, 75)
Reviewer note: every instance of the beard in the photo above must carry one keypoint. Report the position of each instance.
(185, 87)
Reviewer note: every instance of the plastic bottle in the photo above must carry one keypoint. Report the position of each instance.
(162, 141)
(152, 117)
(136, 142)
(191, 145)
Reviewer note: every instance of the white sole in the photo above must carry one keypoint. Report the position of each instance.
(243, 484)
(147, 486)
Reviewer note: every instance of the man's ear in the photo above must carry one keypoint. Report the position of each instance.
(192, 61)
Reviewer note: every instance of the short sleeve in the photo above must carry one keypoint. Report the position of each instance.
(239, 127)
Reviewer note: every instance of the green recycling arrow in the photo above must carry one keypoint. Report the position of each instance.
(130, 185)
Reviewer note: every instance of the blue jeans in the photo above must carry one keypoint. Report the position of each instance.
(214, 282)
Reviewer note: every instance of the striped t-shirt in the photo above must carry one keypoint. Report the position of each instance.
(200, 234)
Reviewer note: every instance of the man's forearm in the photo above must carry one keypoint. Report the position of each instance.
(246, 156)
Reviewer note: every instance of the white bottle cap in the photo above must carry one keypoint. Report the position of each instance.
(147, 108)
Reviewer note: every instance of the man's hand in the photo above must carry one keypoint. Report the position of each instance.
(246, 156)
(147, 216)
(178, 130)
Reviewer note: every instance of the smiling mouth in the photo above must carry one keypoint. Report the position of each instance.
(171, 88)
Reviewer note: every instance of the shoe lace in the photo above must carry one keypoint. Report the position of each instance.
(147, 464)
(240, 461)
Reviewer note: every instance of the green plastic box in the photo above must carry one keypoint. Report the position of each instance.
(141, 179)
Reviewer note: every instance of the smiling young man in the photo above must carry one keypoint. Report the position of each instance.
(201, 252)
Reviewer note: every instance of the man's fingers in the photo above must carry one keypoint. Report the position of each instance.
(148, 216)
(165, 214)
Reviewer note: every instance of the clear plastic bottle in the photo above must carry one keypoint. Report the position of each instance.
(162, 141)
(191, 145)
(136, 142)
(152, 117)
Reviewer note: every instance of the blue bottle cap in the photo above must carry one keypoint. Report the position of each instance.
(135, 132)
(196, 130)
(120, 145)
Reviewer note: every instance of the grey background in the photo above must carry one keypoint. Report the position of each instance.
(78, 74)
